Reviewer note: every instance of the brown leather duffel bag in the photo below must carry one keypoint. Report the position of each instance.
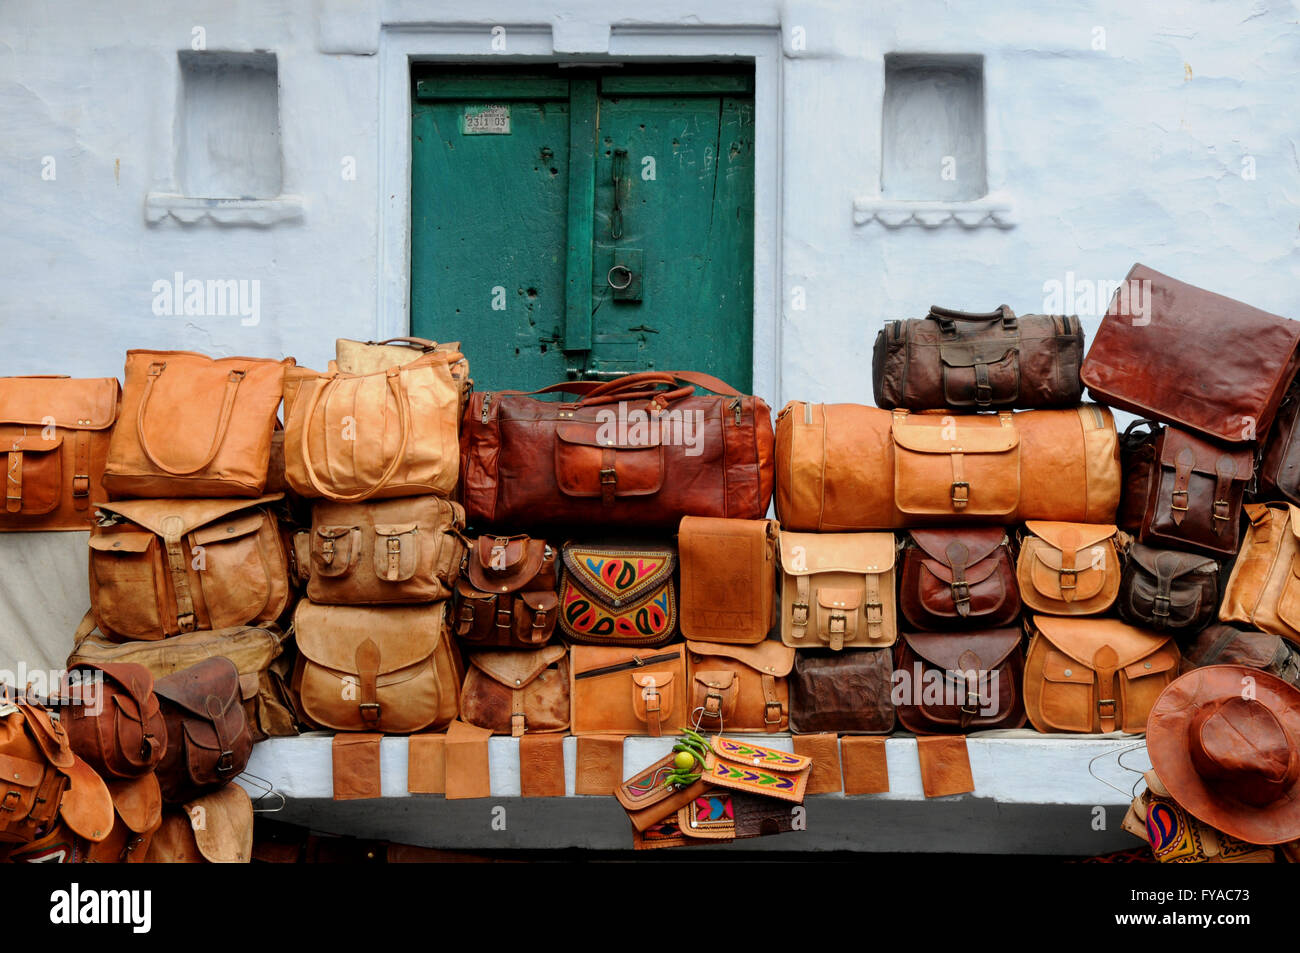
(951, 682)
(163, 567)
(506, 597)
(1194, 493)
(728, 578)
(375, 357)
(54, 434)
(1068, 568)
(517, 692)
(1186, 356)
(845, 467)
(1168, 590)
(628, 691)
(845, 692)
(208, 738)
(193, 426)
(740, 688)
(1263, 590)
(641, 451)
(958, 579)
(979, 361)
(118, 730)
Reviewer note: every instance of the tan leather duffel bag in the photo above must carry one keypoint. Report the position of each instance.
(192, 426)
(513, 692)
(842, 467)
(390, 669)
(1263, 591)
(1068, 568)
(837, 590)
(741, 688)
(163, 567)
(54, 434)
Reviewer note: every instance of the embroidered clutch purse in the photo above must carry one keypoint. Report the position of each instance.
(614, 594)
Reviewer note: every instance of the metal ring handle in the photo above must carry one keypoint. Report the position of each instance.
(609, 278)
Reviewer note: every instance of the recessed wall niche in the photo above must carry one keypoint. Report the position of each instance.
(933, 145)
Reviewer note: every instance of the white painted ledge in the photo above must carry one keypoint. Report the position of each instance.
(189, 210)
(995, 210)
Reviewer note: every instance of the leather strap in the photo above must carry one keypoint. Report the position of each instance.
(653, 709)
(404, 421)
(1068, 577)
(1178, 498)
(968, 672)
(960, 487)
(178, 566)
(608, 476)
(983, 389)
(81, 470)
(14, 482)
(367, 660)
(948, 317)
(233, 380)
(1104, 663)
(774, 713)
(1224, 469)
(873, 607)
(958, 554)
(225, 740)
(1261, 521)
(801, 608)
(518, 722)
(1160, 603)
(465, 616)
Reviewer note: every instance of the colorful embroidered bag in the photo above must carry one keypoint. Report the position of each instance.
(616, 594)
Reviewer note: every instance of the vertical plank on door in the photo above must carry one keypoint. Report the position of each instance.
(582, 165)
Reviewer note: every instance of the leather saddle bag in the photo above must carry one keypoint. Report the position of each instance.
(514, 692)
(54, 435)
(1068, 568)
(1195, 494)
(1263, 590)
(957, 682)
(728, 575)
(978, 361)
(137, 812)
(845, 692)
(1279, 466)
(1094, 675)
(390, 670)
(1163, 351)
(193, 426)
(739, 688)
(215, 828)
(1168, 590)
(628, 691)
(208, 738)
(506, 597)
(958, 579)
(113, 719)
(386, 552)
(641, 451)
(163, 567)
(619, 594)
(1219, 644)
(845, 467)
(837, 590)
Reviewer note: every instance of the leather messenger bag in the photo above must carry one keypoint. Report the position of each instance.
(506, 597)
(846, 467)
(54, 434)
(728, 579)
(973, 361)
(948, 683)
(837, 590)
(845, 692)
(514, 692)
(1195, 492)
(958, 579)
(641, 451)
(628, 691)
(1263, 590)
(740, 688)
(208, 737)
(1168, 590)
(116, 726)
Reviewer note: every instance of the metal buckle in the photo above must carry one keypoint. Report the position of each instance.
(226, 762)
(713, 710)
(394, 545)
(838, 623)
(186, 621)
(960, 592)
(327, 550)
(655, 695)
(539, 618)
(370, 710)
(1106, 701)
(800, 613)
(880, 613)
(1216, 513)
(1173, 500)
(607, 476)
(1160, 606)
(779, 712)
(505, 618)
(1074, 578)
(80, 485)
(960, 501)
(11, 799)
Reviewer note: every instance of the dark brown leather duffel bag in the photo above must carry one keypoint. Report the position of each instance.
(958, 579)
(979, 361)
(1195, 493)
(208, 741)
(641, 451)
(1220, 644)
(117, 728)
(952, 682)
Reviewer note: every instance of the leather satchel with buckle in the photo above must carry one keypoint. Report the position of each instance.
(958, 579)
(513, 692)
(506, 596)
(208, 738)
(1195, 494)
(1069, 568)
(837, 590)
(1168, 590)
(628, 691)
(739, 688)
(980, 675)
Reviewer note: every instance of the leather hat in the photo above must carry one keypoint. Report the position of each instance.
(1225, 741)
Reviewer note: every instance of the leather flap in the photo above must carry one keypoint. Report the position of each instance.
(1059, 667)
(74, 404)
(1080, 638)
(1045, 574)
(172, 519)
(138, 801)
(87, 807)
(20, 771)
(223, 825)
(514, 669)
(205, 689)
(969, 352)
(334, 532)
(619, 575)
(1073, 536)
(519, 562)
(979, 542)
(591, 433)
(974, 574)
(51, 737)
(1205, 456)
(249, 683)
(228, 529)
(28, 441)
(1170, 563)
(955, 439)
(653, 679)
(945, 649)
(1155, 665)
(330, 635)
(829, 598)
(394, 529)
(742, 752)
(722, 680)
(583, 471)
(805, 553)
(129, 542)
(1294, 521)
(770, 656)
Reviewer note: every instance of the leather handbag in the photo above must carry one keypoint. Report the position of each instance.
(952, 682)
(1094, 675)
(214, 828)
(54, 433)
(618, 593)
(837, 590)
(137, 812)
(1184, 356)
(385, 552)
(1263, 590)
(1220, 644)
(506, 597)
(728, 577)
(515, 692)
(845, 467)
(390, 670)
(739, 688)
(208, 737)
(1137, 463)
(389, 433)
(641, 451)
(375, 357)
(956, 579)
(1068, 568)
(628, 691)
(163, 567)
(258, 654)
(844, 692)
(979, 361)
(118, 729)
(1195, 494)
(194, 426)
(1279, 465)
(1168, 590)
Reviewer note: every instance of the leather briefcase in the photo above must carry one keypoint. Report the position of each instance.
(1220, 644)
(1094, 675)
(513, 692)
(728, 576)
(1195, 494)
(390, 433)
(114, 722)
(618, 594)
(1188, 357)
(1279, 466)
(837, 590)
(1068, 568)
(845, 467)
(739, 688)
(506, 597)
(54, 433)
(163, 567)
(384, 552)
(628, 691)
(979, 361)
(390, 669)
(1168, 590)
(1137, 463)
(952, 682)
(956, 579)
(627, 452)
(844, 692)
(1263, 590)
(193, 426)
(208, 738)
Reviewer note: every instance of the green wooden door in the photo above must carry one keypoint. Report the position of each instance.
(584, 225)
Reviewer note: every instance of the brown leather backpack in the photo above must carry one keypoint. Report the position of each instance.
(1195, 493)
(118, 729)
(208, 741)
(949, 682)
(958, 579)
(513, 692)
(506, 597)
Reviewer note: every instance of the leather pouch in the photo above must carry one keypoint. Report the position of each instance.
(356, 767)
(208, 740)
(848, 692)
(739, 688)
(1167, 590)
(506, 597)
(614, 594)
(957, 579)
(1196, 494)
(945, 766)
(628, 691)
(720, 816)
(1263, 590)
(728, 575)
(648, 800)
(1068, 568)
(960, 681)
(837, 590)
(512, 692)
(756, 769)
